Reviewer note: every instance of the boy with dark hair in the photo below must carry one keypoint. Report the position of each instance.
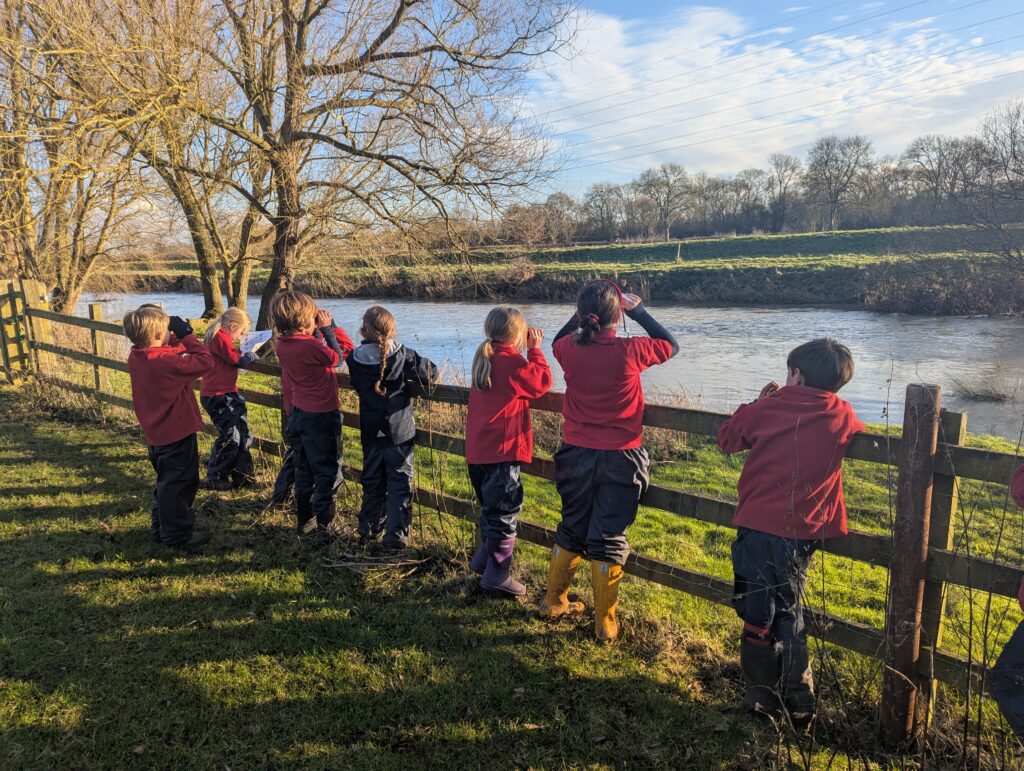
(310, 389)
(162, 375)
(790, 498)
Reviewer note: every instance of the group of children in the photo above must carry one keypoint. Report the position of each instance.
(790, 490)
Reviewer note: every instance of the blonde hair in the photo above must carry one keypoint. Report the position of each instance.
(232, 317)
(504, 324)
(145, 324)
(379, 328)
(292, 312)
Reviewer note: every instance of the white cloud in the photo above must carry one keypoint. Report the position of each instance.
(795, 8)
(690, 89)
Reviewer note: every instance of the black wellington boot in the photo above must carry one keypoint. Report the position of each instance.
(762, 671)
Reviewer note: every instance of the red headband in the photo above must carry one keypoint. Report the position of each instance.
(622, 304)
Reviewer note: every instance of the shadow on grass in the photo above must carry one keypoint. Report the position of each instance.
(256, 653)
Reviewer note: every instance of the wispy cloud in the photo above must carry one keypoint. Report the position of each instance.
(692, 89)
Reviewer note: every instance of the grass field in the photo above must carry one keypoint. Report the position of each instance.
(942, 270)
(115, 651)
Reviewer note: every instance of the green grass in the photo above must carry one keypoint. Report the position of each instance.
(257, 653)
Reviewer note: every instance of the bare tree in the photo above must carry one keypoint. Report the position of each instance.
(602, 207)
(370, 114)
(833, 166)
(68, 193)
(784, 174)
(666, 186)
(994, 193)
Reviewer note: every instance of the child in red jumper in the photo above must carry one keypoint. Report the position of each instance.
(790, 498)
(601, 470)
(310, 387)
(499, 436)
(162, 375)
(1007, 676)
(230, 463)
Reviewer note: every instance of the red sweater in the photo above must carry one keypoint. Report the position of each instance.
(498, 424)
(604, 398)
(223, 378)
(307, 371)
(1017, 491)
(792, 481)
(162, 394)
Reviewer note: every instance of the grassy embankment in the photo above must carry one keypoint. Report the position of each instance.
(916, 270)
(256, 652)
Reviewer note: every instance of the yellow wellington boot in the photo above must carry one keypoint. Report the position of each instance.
(606, 577)
(556, 602)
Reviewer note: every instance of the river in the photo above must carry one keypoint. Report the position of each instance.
(727, 354)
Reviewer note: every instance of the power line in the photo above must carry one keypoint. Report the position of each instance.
(735, 39)
(827, 84)
(800, 120)
(741, 56)
(672, 105)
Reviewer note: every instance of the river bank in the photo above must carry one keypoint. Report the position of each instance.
(923, 271)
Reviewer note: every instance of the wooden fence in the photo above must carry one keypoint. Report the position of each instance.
(919, 554)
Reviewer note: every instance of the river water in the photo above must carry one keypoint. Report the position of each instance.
(727, 354)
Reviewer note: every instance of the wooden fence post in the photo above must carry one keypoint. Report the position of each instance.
(899, 711)
(6, 315)
(945, 501)
(99, 347)
(38, 330)
(20, 325)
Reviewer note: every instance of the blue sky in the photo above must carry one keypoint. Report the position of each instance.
(719, 86)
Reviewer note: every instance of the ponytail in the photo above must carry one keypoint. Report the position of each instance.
(599, 306)
(234, 317)
(482, 366)
(504, 324)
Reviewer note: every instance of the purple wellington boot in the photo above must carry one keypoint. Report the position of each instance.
(478, 563)
(496, 576)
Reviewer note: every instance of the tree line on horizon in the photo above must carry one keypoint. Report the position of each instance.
(840, 183)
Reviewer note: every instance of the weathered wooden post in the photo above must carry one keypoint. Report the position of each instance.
(6, 316)
(99, 347)
(945, 501)
(909, 564)
(19, 323)
(38, 330)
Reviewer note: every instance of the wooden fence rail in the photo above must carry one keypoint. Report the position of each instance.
(936, 564)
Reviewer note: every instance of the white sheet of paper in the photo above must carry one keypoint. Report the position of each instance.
(254, 340)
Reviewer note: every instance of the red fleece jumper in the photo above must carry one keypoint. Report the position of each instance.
(223, 378)
(1017, 491)
(162, 394)
(498, 424)
(792, 480)
(604, 398)
(307, 371)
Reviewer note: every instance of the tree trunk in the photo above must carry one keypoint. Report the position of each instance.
(286, 241)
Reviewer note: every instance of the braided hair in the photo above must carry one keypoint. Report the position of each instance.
(379, 328)
(598, 307)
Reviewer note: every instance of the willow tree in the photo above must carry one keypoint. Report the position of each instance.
(378, 114)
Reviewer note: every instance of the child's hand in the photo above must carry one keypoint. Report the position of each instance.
(630, 301)
(768, 390)
(323, 318)
(179, 327)
(534, 337)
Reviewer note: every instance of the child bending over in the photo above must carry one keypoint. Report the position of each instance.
(387, 376)
(162, 374)
(499, 437)
(790, 498)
